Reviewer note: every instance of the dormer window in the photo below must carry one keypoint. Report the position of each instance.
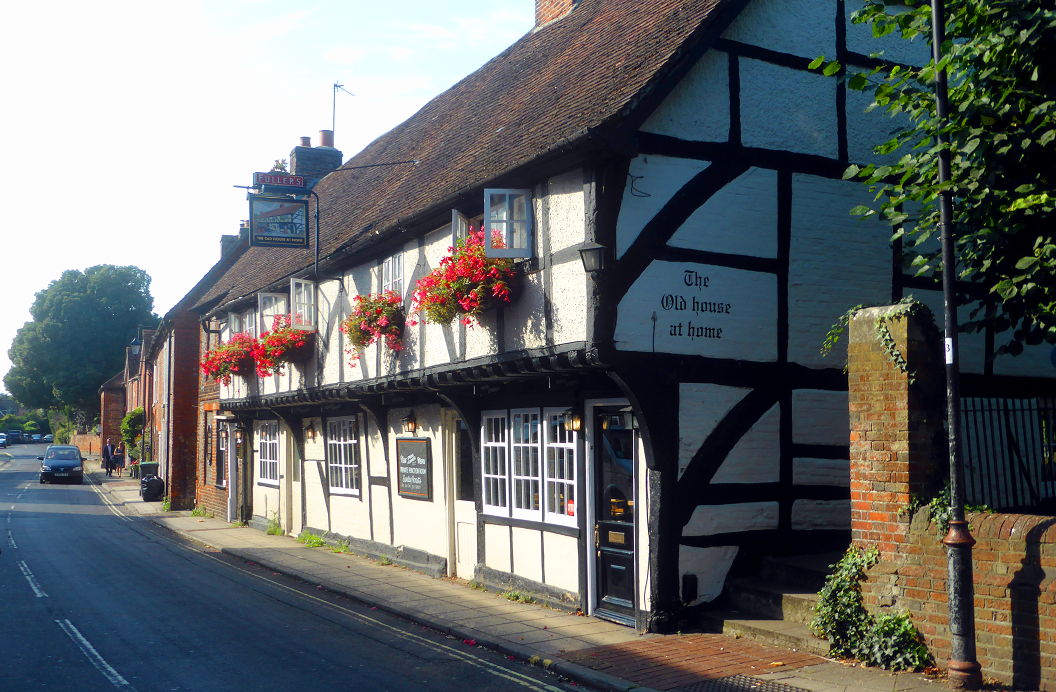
(508, 219)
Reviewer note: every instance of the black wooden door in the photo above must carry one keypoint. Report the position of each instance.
(614, 534)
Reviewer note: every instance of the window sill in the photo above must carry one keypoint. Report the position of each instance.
(345, 492)
(268, 483)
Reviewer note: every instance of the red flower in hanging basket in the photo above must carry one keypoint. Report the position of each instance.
(232, 358)
(283, 344)
(465, 283)
(375, 317)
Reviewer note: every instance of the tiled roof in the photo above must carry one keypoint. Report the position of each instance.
(542, 95)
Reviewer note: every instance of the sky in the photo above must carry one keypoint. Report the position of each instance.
(127, 123)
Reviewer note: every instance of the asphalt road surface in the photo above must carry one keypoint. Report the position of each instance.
(94, 600)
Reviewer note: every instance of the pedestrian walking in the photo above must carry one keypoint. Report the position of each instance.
(118, 458)
(108, 455)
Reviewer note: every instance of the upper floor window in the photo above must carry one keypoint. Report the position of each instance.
(242, 322)
(270, 305)
(302, 303)
(459, 227)
(392, 274)
(508, 220)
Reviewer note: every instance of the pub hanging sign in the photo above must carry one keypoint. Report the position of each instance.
(414, 468)
(278, 222)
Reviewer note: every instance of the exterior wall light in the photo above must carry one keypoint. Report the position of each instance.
(309, 432)
(409, 423)
(573, 422)
(593, 256)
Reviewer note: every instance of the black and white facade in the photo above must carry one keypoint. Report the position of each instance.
(613, 441)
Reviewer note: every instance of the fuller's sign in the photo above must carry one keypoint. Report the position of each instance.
(278, 178)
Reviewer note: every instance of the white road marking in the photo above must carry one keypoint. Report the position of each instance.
(11, 540)
(32, 580)
(98, 661)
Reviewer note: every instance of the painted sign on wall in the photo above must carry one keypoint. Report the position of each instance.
(699, 309)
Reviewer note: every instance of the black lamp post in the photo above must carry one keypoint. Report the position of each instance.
(964, 670)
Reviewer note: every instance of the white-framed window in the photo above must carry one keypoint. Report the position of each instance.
(302, 304)
(392, 274)
(559, 445)
(494, 466)
(268, 452)
(459, 227)
(238, 322)
(524, 459)
(342, 455)
(508, 220)
(529, 465)
(270, 305)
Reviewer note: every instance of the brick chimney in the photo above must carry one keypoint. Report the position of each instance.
(547, 11)
(315, 162)
(229, 242)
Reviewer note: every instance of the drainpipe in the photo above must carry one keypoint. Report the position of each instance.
(964, 670)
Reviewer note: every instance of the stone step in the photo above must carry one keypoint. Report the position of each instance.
(775, 632)
(765, 598)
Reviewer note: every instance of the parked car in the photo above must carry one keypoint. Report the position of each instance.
(36, 437)
(62, 462)
(14, 436)
(48, 438)
(3, 440)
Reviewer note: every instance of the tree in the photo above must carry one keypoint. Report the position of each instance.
(1002, 139)
(81, 323)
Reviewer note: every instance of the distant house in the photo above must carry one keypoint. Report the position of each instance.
(614, 439)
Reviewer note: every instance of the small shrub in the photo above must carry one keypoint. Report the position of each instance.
(384, 561)
(889, 641)
(274, 528)
(200, 511)
(839, 614)
(311, 540)
(517, 596)
(166, 505)
(895, 643)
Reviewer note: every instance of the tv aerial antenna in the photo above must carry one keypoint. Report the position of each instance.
(333, 114)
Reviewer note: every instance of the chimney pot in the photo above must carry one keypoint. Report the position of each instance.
(306, 141)
(326, 138)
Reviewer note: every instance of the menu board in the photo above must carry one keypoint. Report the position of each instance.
(414, 468)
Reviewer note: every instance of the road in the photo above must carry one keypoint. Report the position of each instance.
(94, 600)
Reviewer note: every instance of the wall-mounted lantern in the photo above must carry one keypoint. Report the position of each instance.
(573, 422)
(309, 431)
(593, 257)
(409, 423)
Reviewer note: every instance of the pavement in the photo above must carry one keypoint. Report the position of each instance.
(586, 650)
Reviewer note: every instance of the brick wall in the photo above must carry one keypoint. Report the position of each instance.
(897, 448)
(111, 412)
(89, 444)
(183, 414)
(209, 496)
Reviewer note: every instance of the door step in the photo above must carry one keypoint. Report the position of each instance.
(776, 605)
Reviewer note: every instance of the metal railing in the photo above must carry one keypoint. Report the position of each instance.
(1009, 452)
